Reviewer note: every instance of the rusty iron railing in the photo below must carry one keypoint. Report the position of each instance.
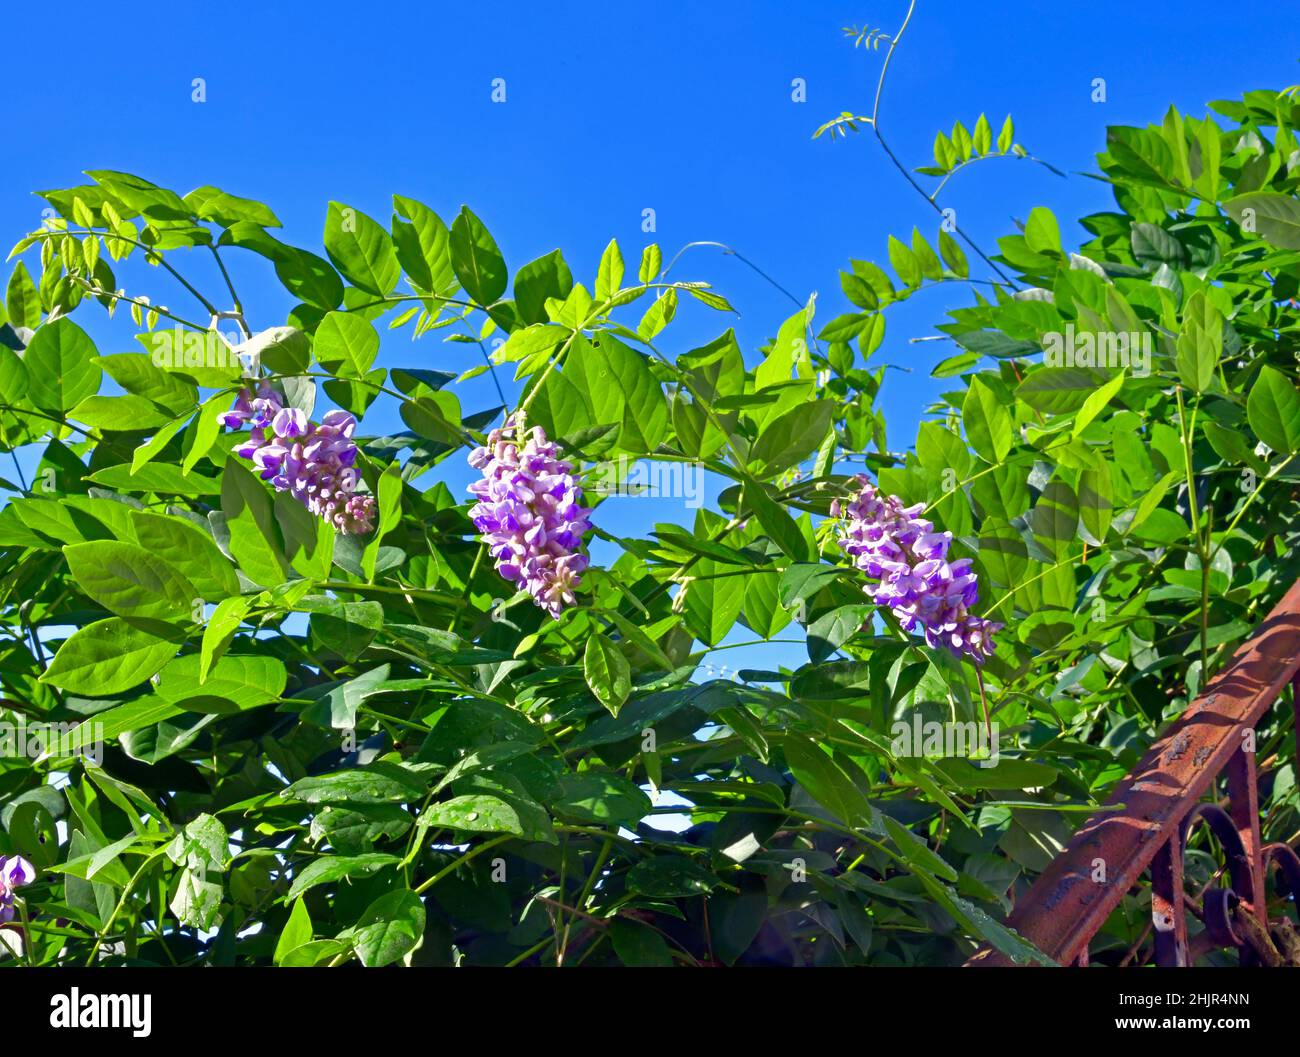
(1163, 799)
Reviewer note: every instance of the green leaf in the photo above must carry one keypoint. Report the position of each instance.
(484, 813)
(110, 656)
(389, 506)
(153, 446)
(254, 535)
(204, 844)
(14, 383)
(979, 923)
(658, 315)
(776, 522)
(916, 852)
(652, 263)
(925, 257)
(423, 246)
(157, 203)
(361, 250)
(1154, 246)
(117, 413)
(1041, 231)
(312, 953)
(129, 580)
(791, 437)
(609, 276)
(353, 828)
(1096, 403)
(391, 928)
(62, 366)
(304, 274)
(1007, 136)
(476, 259)
(713, 601)
(375, 783)
(802, 581)
(831, 630)
(954, 256)
(189, 550)
(1005, 774)
(827, 783)
(601, 798)
(346, 344)
(330, 868)
(159, 478)
(22, 300)
(1058, 390)
(1273, 409)
(986, 421)
(859, 291)
(197, 901)
(234, 683)
(1096, 502)
(296, 932)
(638, 945)
(601, 384)
(337, 706)
(1273, 216)
(670, 877)
(904, 262)
(1055, 518)
(1200, 342)
(219, 631)
(112, 723)
(435, 416)
(211, 203)
(345, 628)
(607, 672)
(546, 277)
(1231, 446)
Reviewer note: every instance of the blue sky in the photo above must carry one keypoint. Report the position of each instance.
(610, 110)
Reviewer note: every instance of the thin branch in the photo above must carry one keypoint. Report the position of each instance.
(230, 286)
(730, 252)
(875, 127)
(150, 253)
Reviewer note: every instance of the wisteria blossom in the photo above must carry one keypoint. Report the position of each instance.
(894, 545)
(15, 871)
(531, 515)
(313, 462)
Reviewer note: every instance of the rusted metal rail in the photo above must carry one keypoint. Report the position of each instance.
(1163, 799)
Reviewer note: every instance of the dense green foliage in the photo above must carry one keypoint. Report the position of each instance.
(276, 743)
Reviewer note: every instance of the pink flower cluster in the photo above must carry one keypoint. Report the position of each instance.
(530, 512)
(896, 546)
(312, 462)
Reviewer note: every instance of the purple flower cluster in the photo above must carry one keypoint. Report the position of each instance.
(15, 871)
(896, 546)
(312, 462)
(530, 512)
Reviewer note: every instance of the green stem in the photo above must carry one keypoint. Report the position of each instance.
(473, 853)
(126, 892)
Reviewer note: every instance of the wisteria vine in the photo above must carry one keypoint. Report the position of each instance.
(530, 513)
(892, 544)
(312, 462)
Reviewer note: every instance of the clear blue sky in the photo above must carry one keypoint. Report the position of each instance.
(612, 108)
